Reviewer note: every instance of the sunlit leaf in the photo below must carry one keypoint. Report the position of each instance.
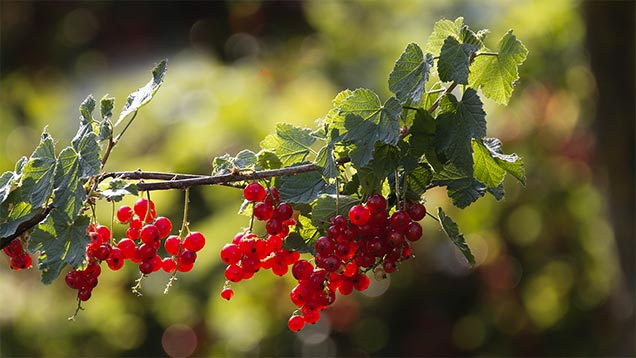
(143, 95)
(410, 73)
(452, 231)
(290, 143)
(454, 60)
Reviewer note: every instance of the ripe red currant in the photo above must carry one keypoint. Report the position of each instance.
(416, 211)
(359, 215)
(194, 241)
(227, 293)
(124, 214)
(296, 323)
(142, 210)
(164, 225)
(254, 192)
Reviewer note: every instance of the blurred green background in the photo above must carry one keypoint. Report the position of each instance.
(555, 260)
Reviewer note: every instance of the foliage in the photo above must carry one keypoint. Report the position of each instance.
(423, 136)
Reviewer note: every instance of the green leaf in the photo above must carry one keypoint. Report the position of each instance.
(441, 30)
(86, 146)
(385, 160)
(465, 191)
(410, 73)
(422, 138)
(143, 95)
(266, 159)
(60, 242)
(226, 164)
(456, 129)
(326, 160)
(420, 178)
(302, 188)
(116, 189)
(497, 192)
(486, 170)
(38, 173)
(364, 120)
(6, 185)
(497, 75)
(452, 231)
(295, 242)
(328, 206)
(454, 60)
(16, 212)
(291, 144)
(106, 105)
(86, 110)
(69, 193)
(511, 163)
(369, 182)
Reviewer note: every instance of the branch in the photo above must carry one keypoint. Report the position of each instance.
(5, 241)
(182, 181)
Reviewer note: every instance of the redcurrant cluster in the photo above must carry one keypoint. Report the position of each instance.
(369, 240)
(18, 258)
(248, 252)
(141, 244)
(144, 238)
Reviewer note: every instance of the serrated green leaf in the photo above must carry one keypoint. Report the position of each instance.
(486, 168)
(303, 188)
(422, 138)
(334, 112)
(38, 173)
(497, 192)
(369, 182)
(225, 164)
(468, 37)
(302, 238)
(328, 206)
(143, 95)
(410, 73)
(385, 160)
(497, 75)
(456, 129)
(419, 179)
(464, 192)
(69, 193)
(295, 242)
(454, 60)
(363, 121)
(452, 231)
(106, 105)
(441, 30)
(19, 165)
(116, 189)
(511, 163)
(292, 144)
(16, 212)
(6, 185)
(86, 109)
(86, 146)
(326, 160)
(266, 159)
(60, 242)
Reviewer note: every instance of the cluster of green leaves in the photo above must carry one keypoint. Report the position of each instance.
(57, 190)
(424, 136)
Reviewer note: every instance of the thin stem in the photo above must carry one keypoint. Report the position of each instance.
(184, 226)
(434, 217)
(486, 54)
(435, 104)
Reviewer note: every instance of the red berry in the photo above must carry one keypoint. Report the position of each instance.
(187, 257)
(413, 231)
(227, 293)
(231, 254)
(359, 215)
(168, 264)
(103, 233)
(183, 267)
(115, 260)
(194, 241)
(132, 233)
(400, 220)
(254, 192)
(283, 211)
(102, 252)
(296, 323)
(157, 263)
(361, 282)
(127, 247)
(324, 245)
(93, 269)
(149, 234)
(311, 315)
(14, 248)
(234, 273)
(136, 224)
(84, 294)
(164, 225)
(142, 210)
(274, 227)
(376, 203)
(21, 261)
(124, 214)
(146, 267)
(302, 269)
(263, 211)
(147, 252)
(172, 245)
(416, 211)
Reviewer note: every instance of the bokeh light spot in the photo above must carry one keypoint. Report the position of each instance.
(179, 340)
